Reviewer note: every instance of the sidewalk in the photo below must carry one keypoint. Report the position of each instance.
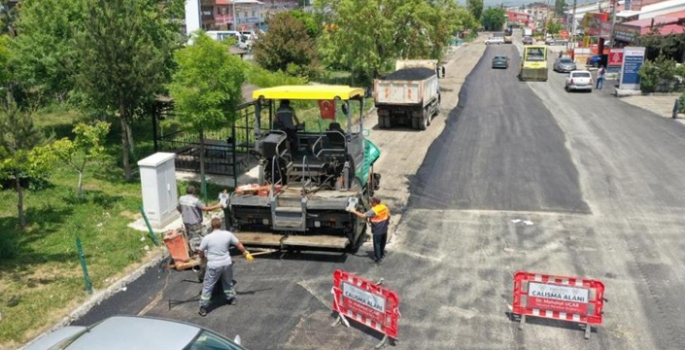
(661, 105)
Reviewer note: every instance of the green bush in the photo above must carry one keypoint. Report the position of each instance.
(263, 78)
(658, 75)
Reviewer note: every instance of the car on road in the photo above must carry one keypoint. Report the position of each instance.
(494, 40)
(527, 40)
(564, 65)
(579, 80)
(133, 332)
(500, 62)
(594, 61)
(556, 41)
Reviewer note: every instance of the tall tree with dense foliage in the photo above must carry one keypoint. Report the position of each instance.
(5, 67)
(559, 6)
(360, 37)
(86, 147)
(206, 89)
(46, 60)
(8, 17)
(475, 7)
(553, 27)
(22, 151)
(125, 53)
(493, 19)
(309, 21)
(287, 47)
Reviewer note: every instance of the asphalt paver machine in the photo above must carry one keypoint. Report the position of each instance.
(304, 188)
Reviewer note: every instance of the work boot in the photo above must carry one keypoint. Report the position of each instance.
(232, 301)
(202, 312)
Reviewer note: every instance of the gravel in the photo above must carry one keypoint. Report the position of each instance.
(410, 74)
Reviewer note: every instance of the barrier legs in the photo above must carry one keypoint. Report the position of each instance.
(382, 343)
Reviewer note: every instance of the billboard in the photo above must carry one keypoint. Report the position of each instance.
(632, 61)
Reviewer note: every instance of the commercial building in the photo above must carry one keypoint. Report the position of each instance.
(234, 14)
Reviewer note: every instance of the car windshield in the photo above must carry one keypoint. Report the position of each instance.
(566, 60)
(581, 75)
(500, 58)
(536, 54)
(207, 340)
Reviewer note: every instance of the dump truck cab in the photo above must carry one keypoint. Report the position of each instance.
(307, 177)
(534, 63)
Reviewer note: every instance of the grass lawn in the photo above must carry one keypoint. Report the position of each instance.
(41, 279)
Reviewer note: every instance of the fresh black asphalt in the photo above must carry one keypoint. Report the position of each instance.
(501, 150)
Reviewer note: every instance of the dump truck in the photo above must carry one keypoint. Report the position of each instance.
(305, 186)
(534, 63)
(409, 96)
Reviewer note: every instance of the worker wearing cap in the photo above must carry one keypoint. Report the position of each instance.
(215, 249)
(379, 218)
(288, 122)
(191, 209)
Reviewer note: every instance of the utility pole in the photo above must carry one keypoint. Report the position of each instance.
(613, 23)
(573, 25)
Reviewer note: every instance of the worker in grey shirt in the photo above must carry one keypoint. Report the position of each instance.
(288, 122)
(191, 209)
(215, 248)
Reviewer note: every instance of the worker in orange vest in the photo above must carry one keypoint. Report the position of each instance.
(379, 218)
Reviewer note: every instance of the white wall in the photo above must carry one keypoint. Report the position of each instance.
(192, 16)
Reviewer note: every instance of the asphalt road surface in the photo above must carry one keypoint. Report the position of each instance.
(600, 180)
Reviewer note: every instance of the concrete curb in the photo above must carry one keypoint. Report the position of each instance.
(102, 295)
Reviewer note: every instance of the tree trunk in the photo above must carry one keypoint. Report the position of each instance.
(80, 184)
(20, 200)
(124, 141)
(202, 160)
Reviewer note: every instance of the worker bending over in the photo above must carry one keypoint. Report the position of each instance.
(191, 209)
(215, 248)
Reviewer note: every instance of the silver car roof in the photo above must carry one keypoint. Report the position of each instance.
(136, 333)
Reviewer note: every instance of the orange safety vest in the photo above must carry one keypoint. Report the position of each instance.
(382, 213)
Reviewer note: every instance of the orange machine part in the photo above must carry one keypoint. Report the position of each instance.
(178, 247)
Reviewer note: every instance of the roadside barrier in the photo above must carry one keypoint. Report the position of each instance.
(571, 299)
(367, 303)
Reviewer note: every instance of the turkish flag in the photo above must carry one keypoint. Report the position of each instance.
(327, 108)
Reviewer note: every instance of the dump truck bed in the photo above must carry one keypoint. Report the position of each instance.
(409, 86)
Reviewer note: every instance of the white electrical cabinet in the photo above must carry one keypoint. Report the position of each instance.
(158, 182)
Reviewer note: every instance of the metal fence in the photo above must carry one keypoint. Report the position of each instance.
(226, 150)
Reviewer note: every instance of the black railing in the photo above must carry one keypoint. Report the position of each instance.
(226, 150)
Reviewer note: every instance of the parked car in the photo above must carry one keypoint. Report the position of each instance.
(494, 40)
(132, 332)
(579, 80)
(564, 64)
(594, 61)
(556, 41)
(500, 62)
(221, 35)
(527, 40)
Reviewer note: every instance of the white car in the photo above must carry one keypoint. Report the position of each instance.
(579, 80)
(220, 35)
(494, 40)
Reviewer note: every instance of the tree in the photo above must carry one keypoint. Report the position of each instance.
(493, 18)
(308, 21)
(5, 58)
(22, 150)
(8, 16)
(287, 47)
(559, 6)
(553, 27)
(360, 36)
(464, 19)
(206, 89)
(125, 53)
(475, 7)
(86, 147)
(46, 60)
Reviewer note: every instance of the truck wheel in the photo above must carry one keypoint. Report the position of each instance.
(415, 123)
(388, 122)
(423, 123)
